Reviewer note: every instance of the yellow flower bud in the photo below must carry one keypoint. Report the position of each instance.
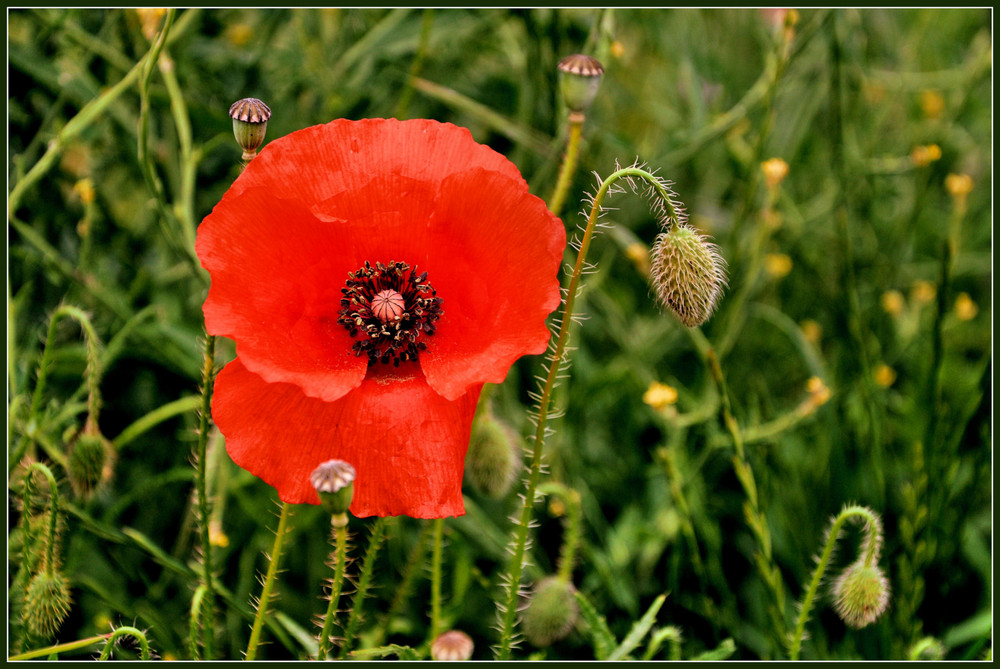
(659, 395)
(893, 302)
(775, 170)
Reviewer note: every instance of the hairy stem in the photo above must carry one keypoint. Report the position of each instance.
(367, 569)
(339, 562)
(208, 373)
(269, 580)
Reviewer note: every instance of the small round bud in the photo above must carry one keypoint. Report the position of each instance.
(860, 594)
(452, 645)
(494, 457)
(91, 463)
(551, 612)
(688, 274)
(579, 78)
(46, 604)
(250, 117)
(334, 483)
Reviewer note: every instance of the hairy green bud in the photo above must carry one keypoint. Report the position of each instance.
(90, 463)
(860, 594)
(551, 613)
(494, 457)
(687, 274)
(46, 604)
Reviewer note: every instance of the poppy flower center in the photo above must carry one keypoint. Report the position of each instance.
(388, 309)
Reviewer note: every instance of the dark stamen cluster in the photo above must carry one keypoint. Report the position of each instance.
(394, 336)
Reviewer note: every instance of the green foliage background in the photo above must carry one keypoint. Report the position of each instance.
(695, 94)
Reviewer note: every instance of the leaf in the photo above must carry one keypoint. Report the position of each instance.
(404, 653)
(639, 630)
(600, 636)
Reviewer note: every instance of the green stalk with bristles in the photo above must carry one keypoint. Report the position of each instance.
(133, 632)
(339, 562)
(404, 587)
(208, 372)
(367, 569)
(871, 546)
(508, 608)
(57, 649)
(269, 580)
(572, 526)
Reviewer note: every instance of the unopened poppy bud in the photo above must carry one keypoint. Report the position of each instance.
(250, 117)
(46, 604)
(494, 457)
(334, 483)
(90, 463)
(861, 594)
(551, 612)
(688, 274)
(452, 645)
(579, 78)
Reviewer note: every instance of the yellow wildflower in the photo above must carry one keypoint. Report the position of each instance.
(778, 265)
(659, 395)
(923, 292)
(923, 156)
(775, 170)
(885, 375)
(965, 308)
(932, 104)
(639, 255)
(893, 302)
(811, 330)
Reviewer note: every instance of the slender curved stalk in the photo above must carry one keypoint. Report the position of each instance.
(870, 554)
(571, 526)
(52, 530)
(413, 565)
(568, 166)
(339, 560)
(196, 606)
(133, 632)
(272, 573)
(508, 609)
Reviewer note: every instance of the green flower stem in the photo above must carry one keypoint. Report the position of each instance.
(43, 368)
(568, 167)
(755, 518)
(367, 569)
(339, 563)
(133, 632)
(52, 530)
(197, 603)
(571, 528)
(871, 547)
(178, 108)
(269, 580)
(208, 374)
(67, 647)
(413, 564)
(438, 524)
(508, 608)
(418, 61)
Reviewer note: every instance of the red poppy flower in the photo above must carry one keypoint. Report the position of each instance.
(374, 274)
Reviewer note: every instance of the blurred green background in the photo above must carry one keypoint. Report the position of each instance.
(858, 269)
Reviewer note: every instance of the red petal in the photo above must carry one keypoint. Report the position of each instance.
(405, 441)
(276, 277)
(494, 258)
(312, 164)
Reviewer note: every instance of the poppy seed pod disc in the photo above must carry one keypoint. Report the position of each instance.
(579, 79)
(250, 117)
